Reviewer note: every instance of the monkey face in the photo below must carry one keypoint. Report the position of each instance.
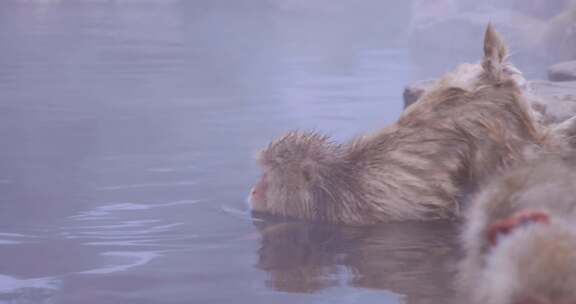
(504, 227)
(532, 261)
(257, 197)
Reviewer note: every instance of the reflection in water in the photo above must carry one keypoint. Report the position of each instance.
(402, 257)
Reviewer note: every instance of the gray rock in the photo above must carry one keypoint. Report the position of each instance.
(413, 91)
(555, 100)
(564, 71)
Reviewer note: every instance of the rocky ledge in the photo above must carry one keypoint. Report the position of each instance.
(564, 71)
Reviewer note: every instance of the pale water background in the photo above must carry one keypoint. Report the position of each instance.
(128, 130)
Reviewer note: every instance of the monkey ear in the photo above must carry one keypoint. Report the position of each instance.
(506, 226)
(495, 53)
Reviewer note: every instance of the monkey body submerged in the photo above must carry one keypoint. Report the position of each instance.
(474, 121)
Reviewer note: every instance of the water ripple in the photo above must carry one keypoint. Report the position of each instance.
(9, 238)
(13, 285)
(106, 211)
(148, 185)
(112, 225)
(137, 259)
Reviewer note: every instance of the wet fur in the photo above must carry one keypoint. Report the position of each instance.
(472, 123)
(535, 259)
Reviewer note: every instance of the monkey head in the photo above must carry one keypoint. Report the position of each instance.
(532, 260)
(301, 174)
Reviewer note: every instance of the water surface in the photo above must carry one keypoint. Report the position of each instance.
(128, 133)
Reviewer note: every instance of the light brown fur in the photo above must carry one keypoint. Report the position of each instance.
(535, 262)
(473, 122)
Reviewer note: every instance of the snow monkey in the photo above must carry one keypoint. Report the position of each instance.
(475, 120)
(520, 237)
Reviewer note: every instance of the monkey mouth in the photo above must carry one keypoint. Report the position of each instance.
(504, 227)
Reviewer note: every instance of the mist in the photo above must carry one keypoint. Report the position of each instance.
(129, 130)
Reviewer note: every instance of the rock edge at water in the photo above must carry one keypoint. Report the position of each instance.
(563, 71)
